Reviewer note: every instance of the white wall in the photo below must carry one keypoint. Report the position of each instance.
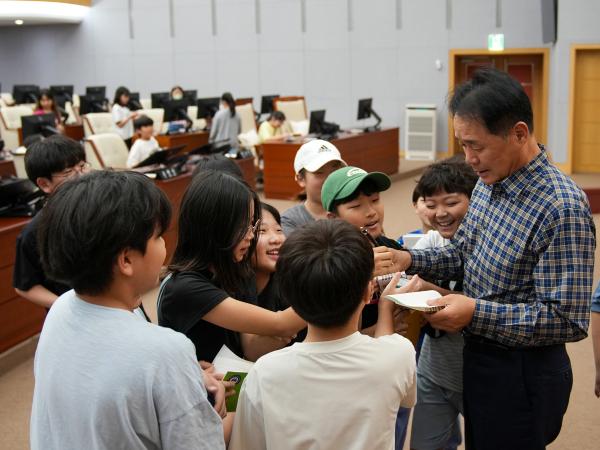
(346, 53)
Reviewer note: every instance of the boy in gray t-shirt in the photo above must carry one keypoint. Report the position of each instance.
(314, 161)
(104, 378)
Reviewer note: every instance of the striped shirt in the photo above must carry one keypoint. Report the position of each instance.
(525, 251)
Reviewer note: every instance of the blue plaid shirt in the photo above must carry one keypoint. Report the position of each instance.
(525, 251)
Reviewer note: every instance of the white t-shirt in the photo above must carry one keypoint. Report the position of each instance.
(140, 150)
(342, 394)
(120, 113)
(104, 379)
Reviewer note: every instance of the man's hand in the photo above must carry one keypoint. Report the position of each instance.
(457, 314)
(402, 260)
(384, 261)
(213, 382)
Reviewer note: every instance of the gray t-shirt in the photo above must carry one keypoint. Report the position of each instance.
(104, 379)
(295, 217)
(225, 127)
(441, 359)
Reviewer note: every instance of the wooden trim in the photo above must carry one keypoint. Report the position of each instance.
(572, 73)
(96, 152)
(243, 101)
(70, 2)
(454, 54)
(89, 124)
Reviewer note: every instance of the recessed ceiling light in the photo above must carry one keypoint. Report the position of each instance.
(19, 22)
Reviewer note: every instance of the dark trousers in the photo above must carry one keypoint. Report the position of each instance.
(514, 399)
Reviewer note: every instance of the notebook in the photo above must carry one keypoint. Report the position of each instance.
(416, 300)
(235, 369)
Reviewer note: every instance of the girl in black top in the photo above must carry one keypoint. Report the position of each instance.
(270, 240)
(210, 294)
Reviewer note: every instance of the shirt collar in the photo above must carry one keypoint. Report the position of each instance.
(520, 179)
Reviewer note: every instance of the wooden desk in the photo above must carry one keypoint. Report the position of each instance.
(19, 319)
(74, 132)
(375, 151)
(191, 140)
(7, 168)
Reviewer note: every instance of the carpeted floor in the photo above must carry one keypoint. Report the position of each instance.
(581, 428)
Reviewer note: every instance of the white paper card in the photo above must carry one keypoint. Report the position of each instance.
(416, 300)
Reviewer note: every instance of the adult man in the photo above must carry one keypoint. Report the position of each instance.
(526, 252)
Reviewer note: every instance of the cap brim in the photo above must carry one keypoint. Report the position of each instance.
(321, 160)
(381, 180)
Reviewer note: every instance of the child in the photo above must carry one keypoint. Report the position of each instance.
(352, 194)
(270, 240)
(145, 144)
(446, 189)
(210, 294)
(46, 104)
(314, 161)
(122, 117)
(420, 210)
(48, 163)
(305, 396)
(226, 125)
(103, 377)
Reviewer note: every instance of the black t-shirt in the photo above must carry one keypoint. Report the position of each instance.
(371, 311)
(28, 266)
(184, 300)
(271, 299)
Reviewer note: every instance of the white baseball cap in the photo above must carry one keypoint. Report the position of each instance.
(315, 154)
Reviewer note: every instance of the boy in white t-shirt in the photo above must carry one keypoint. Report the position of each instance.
(104, 379)
(145, 144)
(339, 388)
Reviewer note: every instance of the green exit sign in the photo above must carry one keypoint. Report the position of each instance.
(496, 42)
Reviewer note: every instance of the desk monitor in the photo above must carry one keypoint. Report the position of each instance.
(159, 99)
(43, 124)
(266, 103)
(161, 156)
(99, 91)
(365, 110)
(26, 93)
(317, 119)
(191, 96)
(91, 104)
(208, 107)
(176, 110)
(134, 101)
(62, 93)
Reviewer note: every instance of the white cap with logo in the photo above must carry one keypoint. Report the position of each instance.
(315, 154)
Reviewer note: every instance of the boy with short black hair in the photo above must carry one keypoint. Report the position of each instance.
(103, 377)
(145, 144)
(325, 270)
(446, 188)
(48, 163)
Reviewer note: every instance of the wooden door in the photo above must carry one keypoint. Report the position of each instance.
(586, 112)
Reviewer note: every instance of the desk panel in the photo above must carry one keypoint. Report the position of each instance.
(374, 151)
(190, 140)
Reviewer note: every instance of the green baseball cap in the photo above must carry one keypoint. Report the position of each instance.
(343, 183)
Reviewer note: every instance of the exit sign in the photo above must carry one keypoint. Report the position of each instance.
(496, 42)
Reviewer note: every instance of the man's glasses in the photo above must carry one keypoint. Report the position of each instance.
(80, 168)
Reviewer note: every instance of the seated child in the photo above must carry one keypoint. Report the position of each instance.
(145, 144)
(103, 377)
(314, 161)
(275, 128)
(305, 396)
(48, 163)
(446, 188)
